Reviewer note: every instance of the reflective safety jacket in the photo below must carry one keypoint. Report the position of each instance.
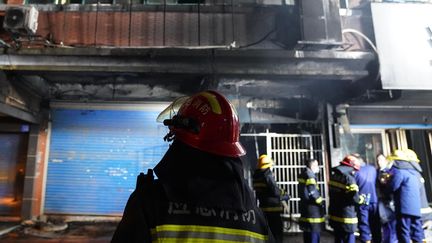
(267, 192)
(344, 198)
(206, 201)
(163, 221)
(311, 202)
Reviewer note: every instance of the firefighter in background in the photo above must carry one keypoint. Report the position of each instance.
(269, 195)
(405, 184)
(425, 210)
(311, 203)
(368, 216)
(344, 197)
(385, 200)
(200, 194)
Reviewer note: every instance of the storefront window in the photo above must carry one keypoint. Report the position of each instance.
(367, 144)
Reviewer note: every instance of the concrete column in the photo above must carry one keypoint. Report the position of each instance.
(30, 173)
(34, 174)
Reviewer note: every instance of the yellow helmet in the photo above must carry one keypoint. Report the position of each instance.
(264, 162)
(403, 154)
(411, 155)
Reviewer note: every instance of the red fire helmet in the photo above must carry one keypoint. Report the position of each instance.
(206, 121)
(352, 161)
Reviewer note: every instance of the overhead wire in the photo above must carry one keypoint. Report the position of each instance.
(199, 23)
(164, 20)
(130, 22)
(353, 31)
(260, 40)
(356, 32)
(233, 24)
(96, 25)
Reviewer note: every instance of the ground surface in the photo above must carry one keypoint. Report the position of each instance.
(88, 232)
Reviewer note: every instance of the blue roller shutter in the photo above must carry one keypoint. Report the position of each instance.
(95, 156)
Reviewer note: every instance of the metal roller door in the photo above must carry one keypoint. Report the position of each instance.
(95, 156)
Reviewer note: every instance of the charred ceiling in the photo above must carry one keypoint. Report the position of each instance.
(269, 59)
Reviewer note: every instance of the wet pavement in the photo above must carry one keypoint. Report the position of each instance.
(75, 232)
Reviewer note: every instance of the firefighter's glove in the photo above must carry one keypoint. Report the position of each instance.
(144, 181)
(364, 199)
(285, 197)
(319, 201)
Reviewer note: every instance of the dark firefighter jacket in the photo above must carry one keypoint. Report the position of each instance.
(311, 202)
(344, 198)
(198, 197)
(268, 193)
(385, 196)
(405, 183)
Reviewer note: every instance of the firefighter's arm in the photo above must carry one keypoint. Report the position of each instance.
(313, 192)
(272, 187)
(353, 189)
(395, 181)
(133, 226)
(284, 196)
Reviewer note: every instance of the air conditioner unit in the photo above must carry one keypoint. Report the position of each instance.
(21, 19)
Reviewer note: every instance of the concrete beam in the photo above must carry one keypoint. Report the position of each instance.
(298, 65)
(18, 113)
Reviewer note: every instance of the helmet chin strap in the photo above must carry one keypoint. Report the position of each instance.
(169, 137)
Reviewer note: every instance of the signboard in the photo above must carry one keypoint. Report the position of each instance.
(403, 33)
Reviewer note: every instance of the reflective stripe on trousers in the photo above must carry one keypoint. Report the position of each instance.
(198, 233)
(272, 209)
(312, 220)
(343, 220)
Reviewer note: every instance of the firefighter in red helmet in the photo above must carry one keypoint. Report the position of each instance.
(344, 197)
(206, 201)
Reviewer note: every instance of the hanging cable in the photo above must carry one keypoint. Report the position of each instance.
(353, 31)
(164, 20)
(233, 24)
(199, 23)
(260, 40)
(130, 23)
(96, 26)
(64, 24)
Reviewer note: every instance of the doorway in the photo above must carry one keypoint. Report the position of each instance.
(13, 156)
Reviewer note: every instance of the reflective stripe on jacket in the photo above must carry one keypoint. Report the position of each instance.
(311, 209)
(344, 197)
(267, 192)
(199, 233)
(160, 220)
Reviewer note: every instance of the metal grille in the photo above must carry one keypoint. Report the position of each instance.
(289, 151)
